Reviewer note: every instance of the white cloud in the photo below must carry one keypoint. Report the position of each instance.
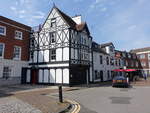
(132, 27)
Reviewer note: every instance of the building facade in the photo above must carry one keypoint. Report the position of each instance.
(14, 54)
(60, 51)
(143, 55)
(105, 61)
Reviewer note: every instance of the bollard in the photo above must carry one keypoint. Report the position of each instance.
(60, 94)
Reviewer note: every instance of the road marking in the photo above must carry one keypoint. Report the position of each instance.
(76, 105)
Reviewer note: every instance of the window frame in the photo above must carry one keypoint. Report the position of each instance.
(7, 73)
(142, 56)
(53, 21)
(2, 50)
(148, 56)
(107, 60)
(143, 64)
(4, 34)
(54, 38)
(19, 53)
(52, 55)
(101, 59)
(16, 31)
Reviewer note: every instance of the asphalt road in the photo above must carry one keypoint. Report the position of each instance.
(112, 100)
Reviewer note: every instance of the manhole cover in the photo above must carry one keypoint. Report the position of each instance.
(120, 100)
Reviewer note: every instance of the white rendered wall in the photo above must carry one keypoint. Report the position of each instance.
(15, 65)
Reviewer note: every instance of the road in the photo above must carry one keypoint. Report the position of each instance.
(112, 100)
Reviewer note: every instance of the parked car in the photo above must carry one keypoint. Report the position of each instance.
(120, 81)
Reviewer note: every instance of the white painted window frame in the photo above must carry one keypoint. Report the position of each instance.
(8, 72)
(19, 53)
(4, 34)
(18, 37)
(3, 50)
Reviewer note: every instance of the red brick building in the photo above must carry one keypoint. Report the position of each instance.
(14, 48)
(143, 55)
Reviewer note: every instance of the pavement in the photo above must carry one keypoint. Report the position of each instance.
(141, 82)
(30, 99)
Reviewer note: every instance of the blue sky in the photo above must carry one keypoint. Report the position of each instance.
(126, 23)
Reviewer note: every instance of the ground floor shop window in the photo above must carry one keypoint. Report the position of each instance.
(6, 72)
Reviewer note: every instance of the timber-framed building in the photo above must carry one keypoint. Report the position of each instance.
(60, 51)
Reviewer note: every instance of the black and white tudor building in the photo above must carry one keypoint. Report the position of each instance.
(62, 52)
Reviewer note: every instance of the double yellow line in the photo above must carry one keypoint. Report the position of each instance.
(76, 106)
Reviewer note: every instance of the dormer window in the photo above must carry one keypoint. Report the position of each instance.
(52, 37)
(53, 22)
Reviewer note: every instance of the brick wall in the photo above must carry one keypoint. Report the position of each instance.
(10, 41)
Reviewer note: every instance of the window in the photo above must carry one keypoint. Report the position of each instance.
(129, 56)
(124, 54)
(52, 37)
(142, 56)
(137, 64)
(116, 62)
(97, 75)
(149, 56)
(1, 50)
(84, 41)
(101, 59)
(143, 63)
(132, 63)
(126, 63)
(101, 75)
(107, 60)
(108, 74)
(17, 53)
(111, 48)
(119, 62)
(112, 61)
(86, 56)
(53, 22)
(6, 72)
(18, 35)
(53, 54)
(2, 30)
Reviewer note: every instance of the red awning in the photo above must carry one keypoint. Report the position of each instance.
(124, 70)
(118, 70)
(129, 70)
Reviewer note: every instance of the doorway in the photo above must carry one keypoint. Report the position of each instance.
(34, 76)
